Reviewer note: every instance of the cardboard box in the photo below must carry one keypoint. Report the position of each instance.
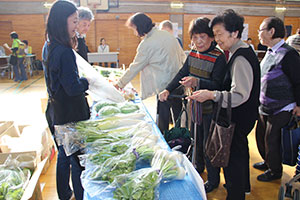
(48, 145)
(33, 188)
(5, 125)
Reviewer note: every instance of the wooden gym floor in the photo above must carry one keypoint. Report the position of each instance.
(21, 102)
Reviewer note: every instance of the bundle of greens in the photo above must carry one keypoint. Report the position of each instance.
(138, 185)
(107, 151)
(12, 182)
(114, 166)
(169, 163)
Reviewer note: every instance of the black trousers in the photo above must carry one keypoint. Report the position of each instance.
(237, 172)
(163, 110)
(268, 138)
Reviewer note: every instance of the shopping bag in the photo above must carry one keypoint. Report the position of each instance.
(220, 136)
(290, 140)
(179, 135)
(13, 60)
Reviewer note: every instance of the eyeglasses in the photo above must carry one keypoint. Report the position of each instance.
(260, 30)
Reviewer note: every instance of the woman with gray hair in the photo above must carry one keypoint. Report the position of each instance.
(85, 18)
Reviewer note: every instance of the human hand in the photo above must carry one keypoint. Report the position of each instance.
(189, 81)
(163, 96)
(202, 95)
(116, 86)
(296, 111)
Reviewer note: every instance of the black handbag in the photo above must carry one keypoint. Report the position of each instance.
(13, 60)
(221, 132)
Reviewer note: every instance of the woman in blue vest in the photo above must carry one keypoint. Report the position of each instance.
(66, 90)
(243, 83)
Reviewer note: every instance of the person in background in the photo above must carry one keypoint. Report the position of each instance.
(261, 47)
(28, 49)
(279, 97)
(17, 49)
(103, 48)
(85, 18)
(242, 81)
(167, 25)
(66, 90)
(249, 41)
(294, 40)
(158, 58)
(204, 68)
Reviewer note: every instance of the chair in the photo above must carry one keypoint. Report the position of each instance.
(5, 67)
(2, 51)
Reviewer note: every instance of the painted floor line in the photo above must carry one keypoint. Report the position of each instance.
(9, 87)
(27, 86)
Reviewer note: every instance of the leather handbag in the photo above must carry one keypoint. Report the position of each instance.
(290, 140)
(220, 136)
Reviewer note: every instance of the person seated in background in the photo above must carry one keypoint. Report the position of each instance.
(294, 40)
(249, 41)
(103, 48)
(167, 25)
(27, 49)
(85, 18)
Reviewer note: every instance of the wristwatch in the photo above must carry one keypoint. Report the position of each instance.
(215, 95)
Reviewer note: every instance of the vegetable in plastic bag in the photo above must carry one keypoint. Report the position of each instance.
(138, 185)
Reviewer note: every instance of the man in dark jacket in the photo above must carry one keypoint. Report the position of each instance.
(85, 18)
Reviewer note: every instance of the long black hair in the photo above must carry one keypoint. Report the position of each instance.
(57, 25)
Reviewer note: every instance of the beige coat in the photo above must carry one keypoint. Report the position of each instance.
(159, 57)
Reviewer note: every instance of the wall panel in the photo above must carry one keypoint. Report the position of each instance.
(28, 27)
(294, 21)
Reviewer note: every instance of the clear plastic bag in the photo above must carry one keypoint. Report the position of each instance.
(170, 164)
(99, 87)
(138, 185)
(68, 136)
(13, 180)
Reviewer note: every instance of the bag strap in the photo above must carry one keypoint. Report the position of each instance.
(216, 112)
(228, 109)
(178, 121)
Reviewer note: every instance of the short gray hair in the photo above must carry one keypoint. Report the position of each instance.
(85, 13)
(166, 24)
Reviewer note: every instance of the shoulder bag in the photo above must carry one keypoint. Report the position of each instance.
(221, 132)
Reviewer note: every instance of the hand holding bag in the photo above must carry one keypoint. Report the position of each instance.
(221, 132)
(290, 140)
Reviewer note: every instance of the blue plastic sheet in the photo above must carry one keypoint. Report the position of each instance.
(174, 190)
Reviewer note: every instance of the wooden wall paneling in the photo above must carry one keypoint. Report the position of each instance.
(294, 21)
(254, 23)
(91, 37)
(128, 43)
(107, 29)
(5, 30)
(28, 27)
